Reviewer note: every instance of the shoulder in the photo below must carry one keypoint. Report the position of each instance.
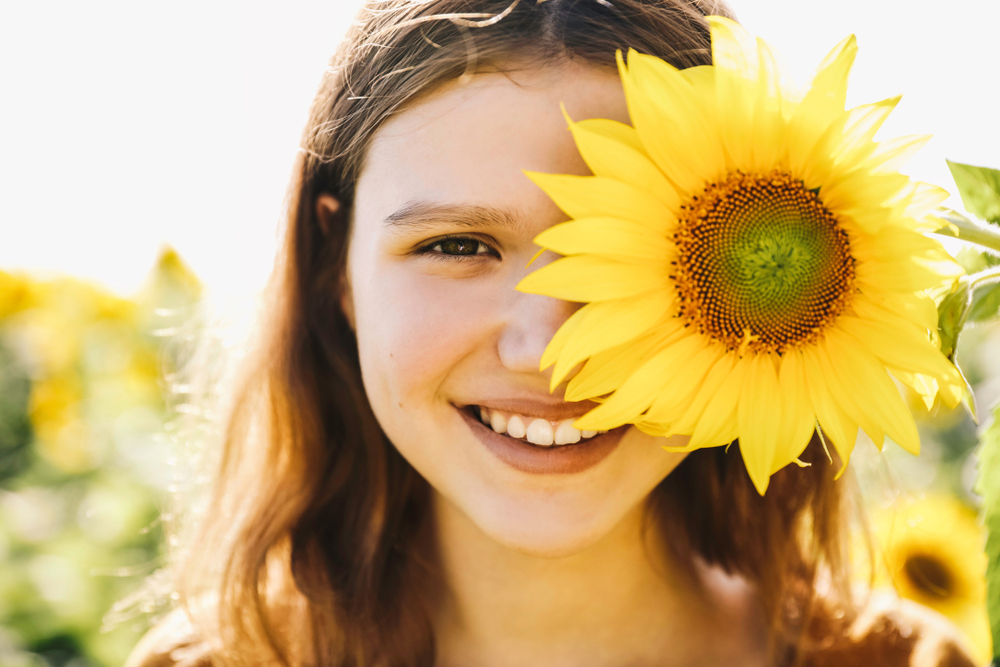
(888, 631)
(172, 642)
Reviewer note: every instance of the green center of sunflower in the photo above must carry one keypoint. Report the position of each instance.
(763, 264)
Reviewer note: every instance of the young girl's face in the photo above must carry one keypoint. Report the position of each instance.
(441, 233)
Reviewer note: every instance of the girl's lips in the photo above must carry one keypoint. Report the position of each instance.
(558, 459)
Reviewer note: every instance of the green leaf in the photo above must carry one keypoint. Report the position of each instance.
(988, 486)
(985, 305)
(953, 312)
(979, 188)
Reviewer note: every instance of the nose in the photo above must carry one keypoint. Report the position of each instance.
(531, 321)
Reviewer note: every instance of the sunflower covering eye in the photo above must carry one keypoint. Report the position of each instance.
(753, 265)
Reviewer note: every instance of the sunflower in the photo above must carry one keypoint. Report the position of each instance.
(931, 551)
(752, 265)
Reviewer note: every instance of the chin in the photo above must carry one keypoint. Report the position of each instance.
(547, 526)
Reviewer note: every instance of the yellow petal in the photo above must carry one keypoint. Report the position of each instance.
(845, 386)
(718, 375)
(838, 428)
(717, 424)
(610, 323)
(671, 123)
(821, 105)
(882, 404)
(734, 50)
(675, 398)
(798, 419)
(612, 129)
(891, 154)
(908, 349)
(638, 391)
(588, 278)
(769, 115)
(613, 158)
(602, 197)
(736, 59)
(759, 420)
(558, 342)
(858, 192)
(612, 237)
(606, 371)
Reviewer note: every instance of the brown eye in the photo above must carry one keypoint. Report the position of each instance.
(458, 246)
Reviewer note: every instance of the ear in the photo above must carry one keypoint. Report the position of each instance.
(328, 210)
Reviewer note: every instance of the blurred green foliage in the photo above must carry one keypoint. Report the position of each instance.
(83, 459)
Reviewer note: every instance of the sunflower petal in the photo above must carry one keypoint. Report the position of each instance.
(834, 422)
(674, 399)
(637, 392)
(759, 420)
(718, 375)
(670, 121)
(602, 197)
(883, 404)
(821, 105)
(606, 371)
(614, 237)
(588, 278)
(718, 423)
(798, 419)
(610, 323)
(610, 157)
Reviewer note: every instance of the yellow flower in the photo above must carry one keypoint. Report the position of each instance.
(931, 551)
(751, 262)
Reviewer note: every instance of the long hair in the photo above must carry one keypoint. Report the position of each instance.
(314, 515)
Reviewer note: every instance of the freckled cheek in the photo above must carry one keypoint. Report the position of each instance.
(423, 326)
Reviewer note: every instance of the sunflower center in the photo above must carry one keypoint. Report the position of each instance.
(929, 576)
(763, 263)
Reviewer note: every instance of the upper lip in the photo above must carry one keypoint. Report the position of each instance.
(536, 408)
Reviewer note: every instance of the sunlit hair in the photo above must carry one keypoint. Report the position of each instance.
(306, 549)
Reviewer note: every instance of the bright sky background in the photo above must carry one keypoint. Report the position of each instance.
(127, 125)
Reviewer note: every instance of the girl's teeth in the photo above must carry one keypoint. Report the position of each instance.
(566, 434)
(498, 422)
(539, 432)
(515, 427)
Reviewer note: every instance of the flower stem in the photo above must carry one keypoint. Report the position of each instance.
(968, 230)
(984, 278)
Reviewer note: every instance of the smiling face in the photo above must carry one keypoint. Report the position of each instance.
(441, 233)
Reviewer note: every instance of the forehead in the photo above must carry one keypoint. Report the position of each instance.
(469, 142)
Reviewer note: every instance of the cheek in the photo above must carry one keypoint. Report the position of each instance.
(414, 328)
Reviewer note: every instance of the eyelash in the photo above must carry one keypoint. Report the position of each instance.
(439, 254)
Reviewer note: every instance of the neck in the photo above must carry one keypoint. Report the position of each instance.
(619, 600)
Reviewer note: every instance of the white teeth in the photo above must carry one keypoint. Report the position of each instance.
(566, 434)
(539, 432)
(515, 427)
(498, 422)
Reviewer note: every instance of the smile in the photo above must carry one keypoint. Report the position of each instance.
(522, 454)
(541, 432)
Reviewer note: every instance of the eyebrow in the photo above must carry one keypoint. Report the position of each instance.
(417, 216)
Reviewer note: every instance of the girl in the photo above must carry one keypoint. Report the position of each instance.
(386, 495)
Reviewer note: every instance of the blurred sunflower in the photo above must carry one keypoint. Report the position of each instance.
(751, 262)
(931, 551)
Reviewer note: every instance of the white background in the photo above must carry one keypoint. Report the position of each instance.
(128, 125)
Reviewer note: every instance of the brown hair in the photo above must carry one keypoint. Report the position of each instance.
(313, 509)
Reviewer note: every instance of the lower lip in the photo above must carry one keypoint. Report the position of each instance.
(554, 460)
